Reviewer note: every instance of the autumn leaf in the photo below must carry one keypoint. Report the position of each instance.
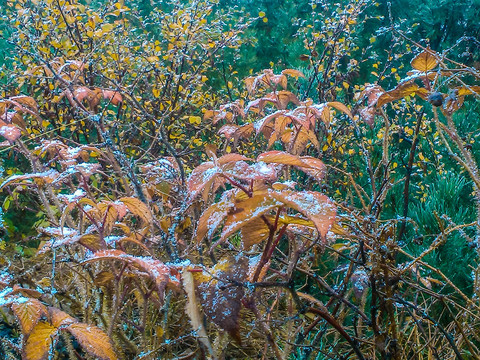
(40, 341)
(113, 96)
(60, 318)
(293, 73)
(212, 217)
(254, 233)
(93, 340)
(341, 107)
(219, 297)
(137, 208)
(28, 313)
(246, 211)
(160, 273)
(315, 206)
(424, 61)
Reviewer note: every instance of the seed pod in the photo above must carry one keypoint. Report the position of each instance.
(436, 98)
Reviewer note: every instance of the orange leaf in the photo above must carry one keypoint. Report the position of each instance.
(286, 97)
(246, 211)
(28, 313)
(280, 157)
(254, 233)
(113, 96)
(315, 206)
(93, 340)
(313, 167)
(211, 218)
(60, 318)
(202, 175)
(137, 208)
(293, 73)
(231, 158)
(341, 107)
(468, 90)
(424, 61)
(158, 271)
(40, 341)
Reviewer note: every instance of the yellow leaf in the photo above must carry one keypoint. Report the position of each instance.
(40, 341)
(424, 61)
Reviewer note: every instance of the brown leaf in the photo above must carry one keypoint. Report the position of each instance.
(93, 340)
(228, 130)
(220, 298)
(40, 341)
(24, 104)
(424, 61)
(10, 131)
(203, 175)
(28, 313)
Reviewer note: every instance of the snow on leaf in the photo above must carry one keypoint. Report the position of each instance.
(40, 341)
(211, 218)
(258, 171)
(160, 273)
(49, 176)
(315, 206)
(228, 130)
(220, 299)
(308, 164)
(28, 313)
(93, 340)
(260, 124)
(201, 176)
(10, 132)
